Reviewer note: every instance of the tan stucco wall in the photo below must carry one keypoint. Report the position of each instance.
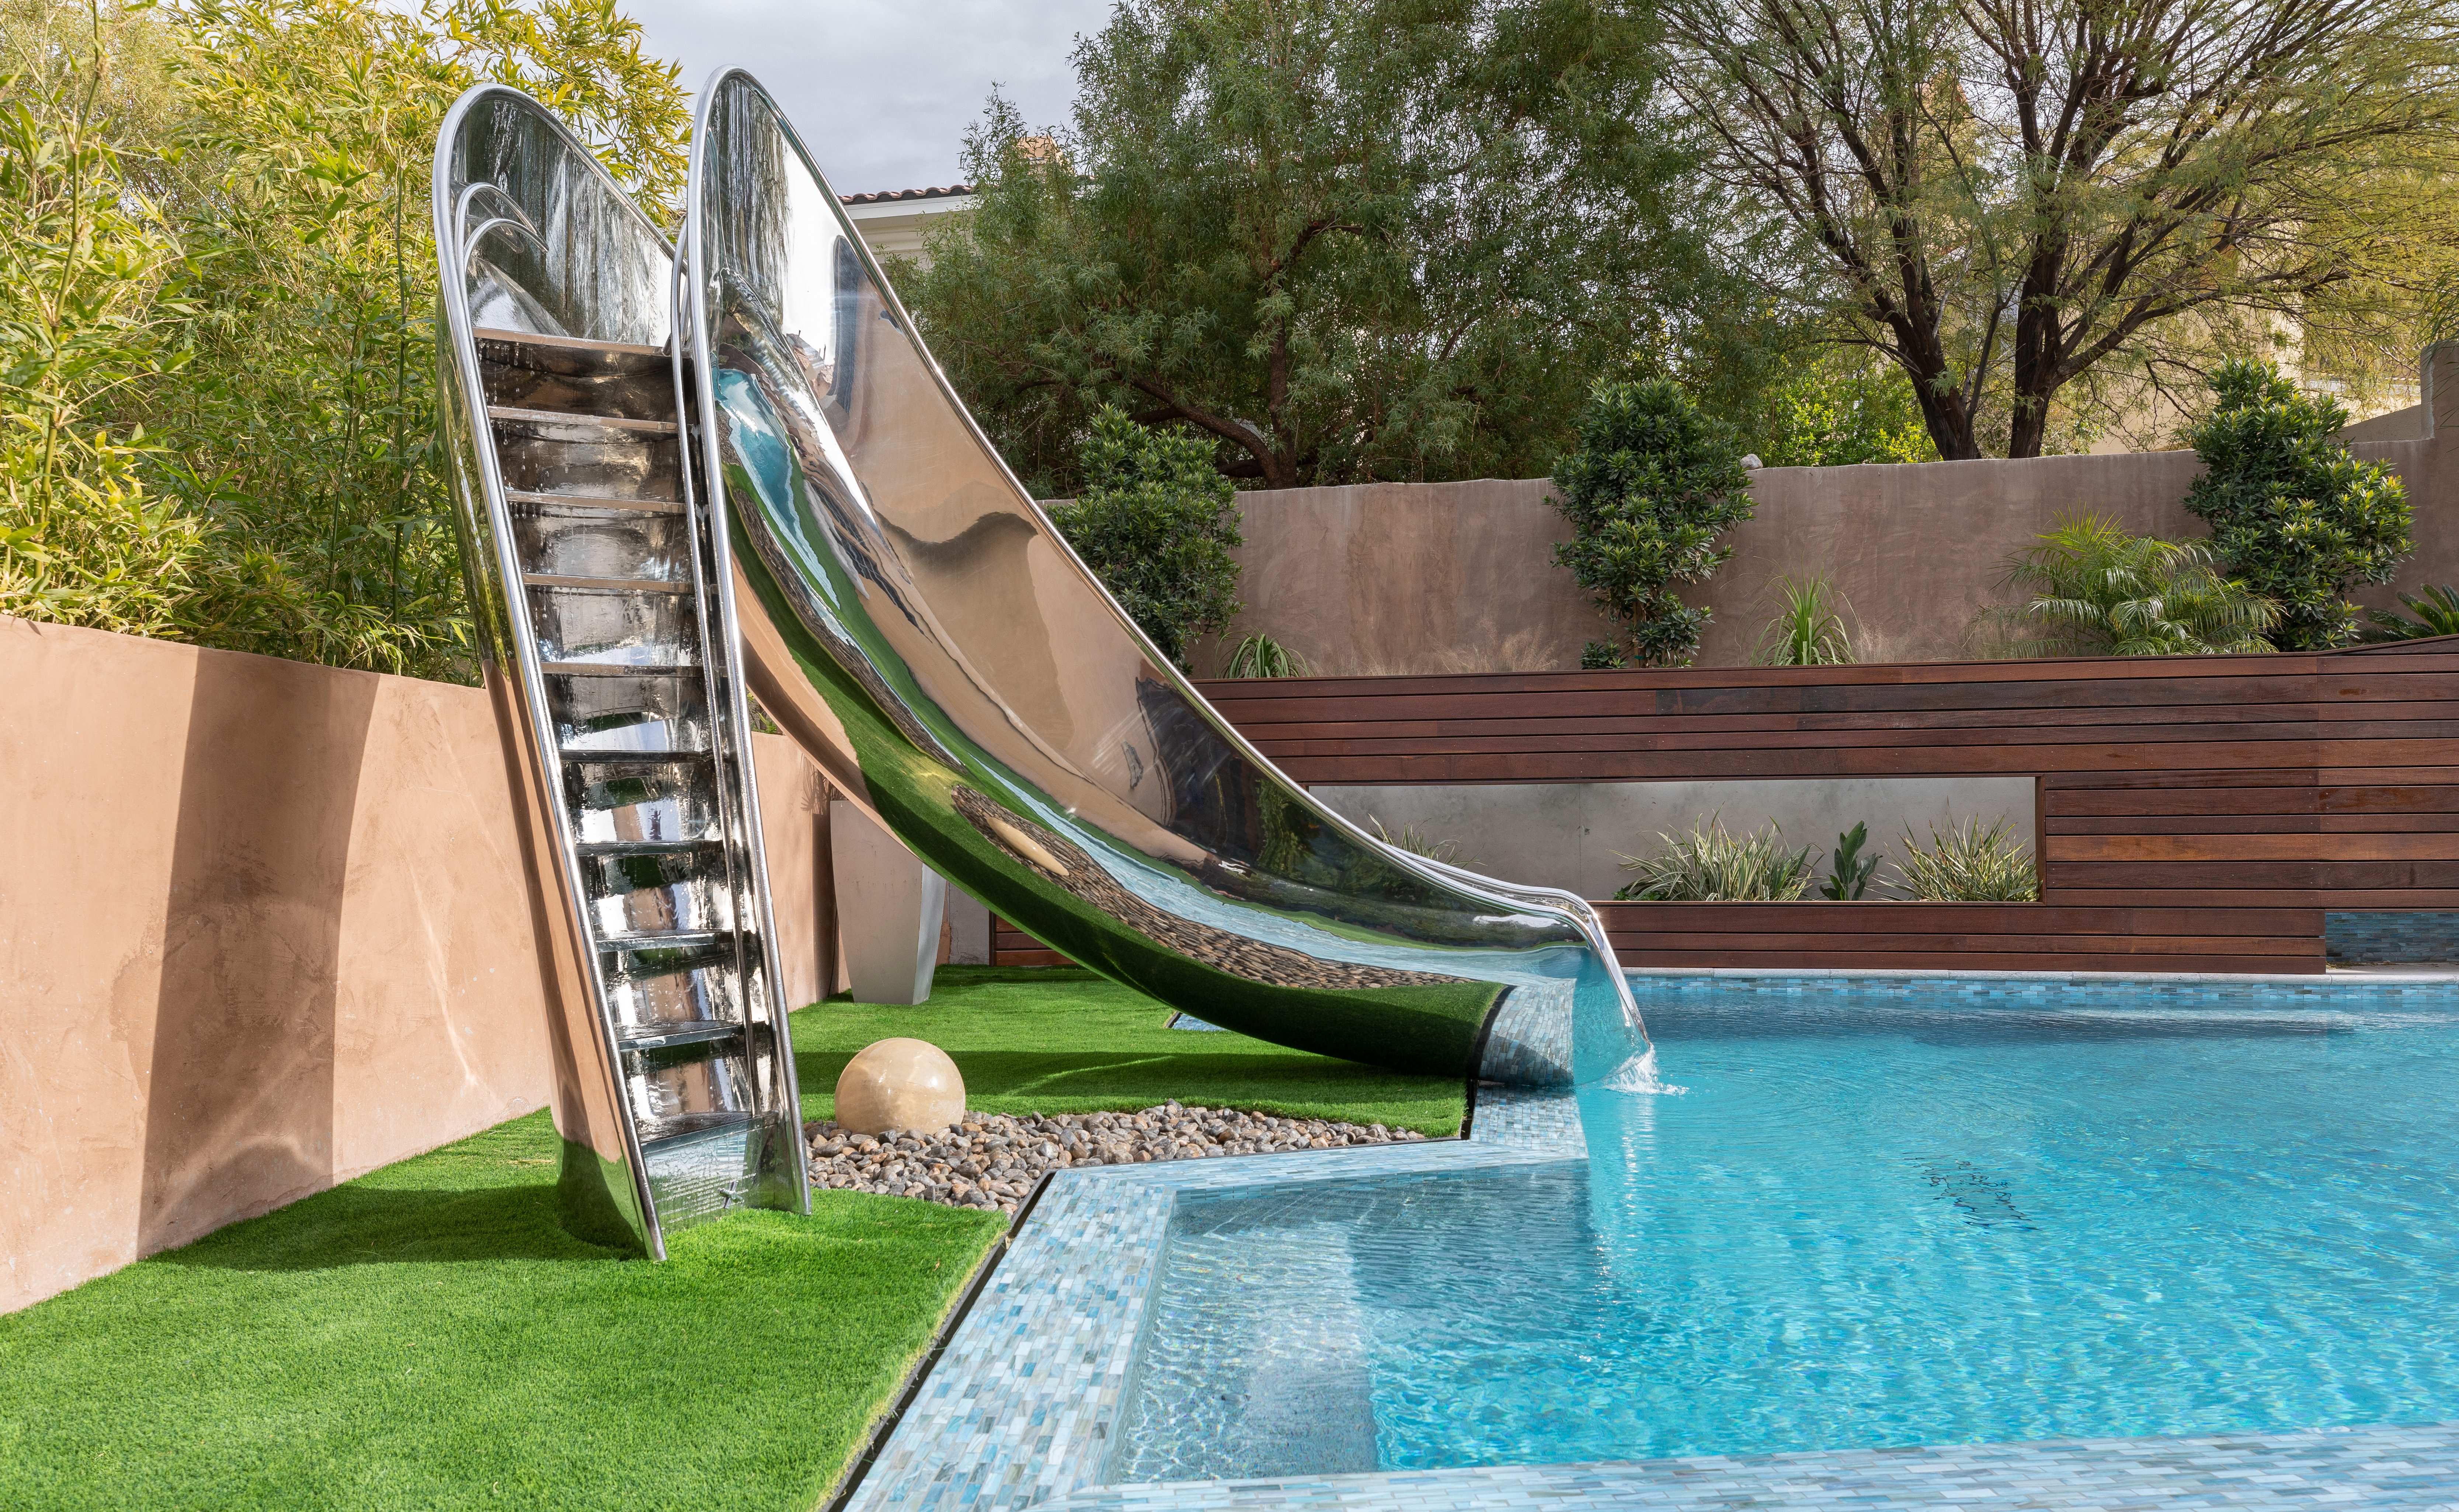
(1461, 576)
(263, 929)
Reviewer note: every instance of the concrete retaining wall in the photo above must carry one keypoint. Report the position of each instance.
(1574, 835)
(1461, 576)
(265, 928)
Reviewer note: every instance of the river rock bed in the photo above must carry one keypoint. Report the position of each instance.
(991, 1160)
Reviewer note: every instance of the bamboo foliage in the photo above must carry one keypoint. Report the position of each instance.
(216, 384)
(92, 275)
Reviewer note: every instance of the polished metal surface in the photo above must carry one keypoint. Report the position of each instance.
(909, 616)
(622, 713)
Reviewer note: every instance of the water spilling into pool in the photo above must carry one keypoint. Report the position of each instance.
(1869, 1221)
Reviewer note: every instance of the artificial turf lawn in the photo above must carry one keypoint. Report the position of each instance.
(427, 1336)
(1052, 1039)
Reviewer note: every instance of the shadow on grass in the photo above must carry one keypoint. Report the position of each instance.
(355, 1225)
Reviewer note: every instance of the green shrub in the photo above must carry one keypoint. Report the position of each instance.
(1653, 485)
(1849, 874)
(1260, 655)
(1711, 864)
(2292, 513)
(1155, 522)
(1808, 631)
(1970, 864)
(2434, 613)
(2097, 591)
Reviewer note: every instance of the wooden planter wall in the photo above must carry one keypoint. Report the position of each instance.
(2195, 814)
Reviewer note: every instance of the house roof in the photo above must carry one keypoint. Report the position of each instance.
(891, 195)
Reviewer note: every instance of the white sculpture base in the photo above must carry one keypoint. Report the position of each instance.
(889, 908)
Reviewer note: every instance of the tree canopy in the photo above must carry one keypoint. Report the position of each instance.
(1344, 240)
(2009, 199)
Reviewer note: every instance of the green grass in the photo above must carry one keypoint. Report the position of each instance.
(427, 1336)
(1052, 1039)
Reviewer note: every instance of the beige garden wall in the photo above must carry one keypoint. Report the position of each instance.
(1461, 576)
(264, 926)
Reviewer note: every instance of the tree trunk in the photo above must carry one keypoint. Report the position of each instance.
(1943, 411)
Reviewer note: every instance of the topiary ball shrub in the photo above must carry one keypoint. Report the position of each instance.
(2293, 516)
(1653, 485)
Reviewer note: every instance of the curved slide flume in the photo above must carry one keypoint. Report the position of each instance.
(909, 616)
(778, 492)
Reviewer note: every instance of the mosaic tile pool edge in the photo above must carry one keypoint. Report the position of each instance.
(2401, 937)
(2371, 1468)
(1022, 1405)
(2185, 989)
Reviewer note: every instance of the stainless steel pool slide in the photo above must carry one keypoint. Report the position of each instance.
(687, 475)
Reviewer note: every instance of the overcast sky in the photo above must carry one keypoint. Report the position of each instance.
(882, 90)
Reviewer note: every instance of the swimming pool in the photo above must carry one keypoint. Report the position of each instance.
(1874, 1218)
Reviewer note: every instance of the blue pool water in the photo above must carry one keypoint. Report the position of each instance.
(1869, 1221)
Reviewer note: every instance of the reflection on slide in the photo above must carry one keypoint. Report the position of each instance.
(909, 616)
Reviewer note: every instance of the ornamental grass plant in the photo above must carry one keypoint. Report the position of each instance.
(1417, 842)
(1712, 865)
(1808, 629)
(1260, 655)
(1968, 864)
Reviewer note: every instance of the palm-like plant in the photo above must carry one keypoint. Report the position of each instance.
(2433, 613)
(2097, 591)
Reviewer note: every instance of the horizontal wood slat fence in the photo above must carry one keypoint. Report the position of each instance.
(2194, 813)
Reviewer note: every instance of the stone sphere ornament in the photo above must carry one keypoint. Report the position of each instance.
(899, 1084)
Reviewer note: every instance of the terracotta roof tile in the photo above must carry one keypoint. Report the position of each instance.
(890, 195)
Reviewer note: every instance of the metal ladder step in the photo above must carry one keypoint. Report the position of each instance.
(662, 1037)
(618, 427)
(606, 584)
(620, 848)
(659, 939)
(595, 501)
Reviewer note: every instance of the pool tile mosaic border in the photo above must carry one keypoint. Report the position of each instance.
(2371, 1468)
(2404, 937)
(1022, 1405)
(2356, 989)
